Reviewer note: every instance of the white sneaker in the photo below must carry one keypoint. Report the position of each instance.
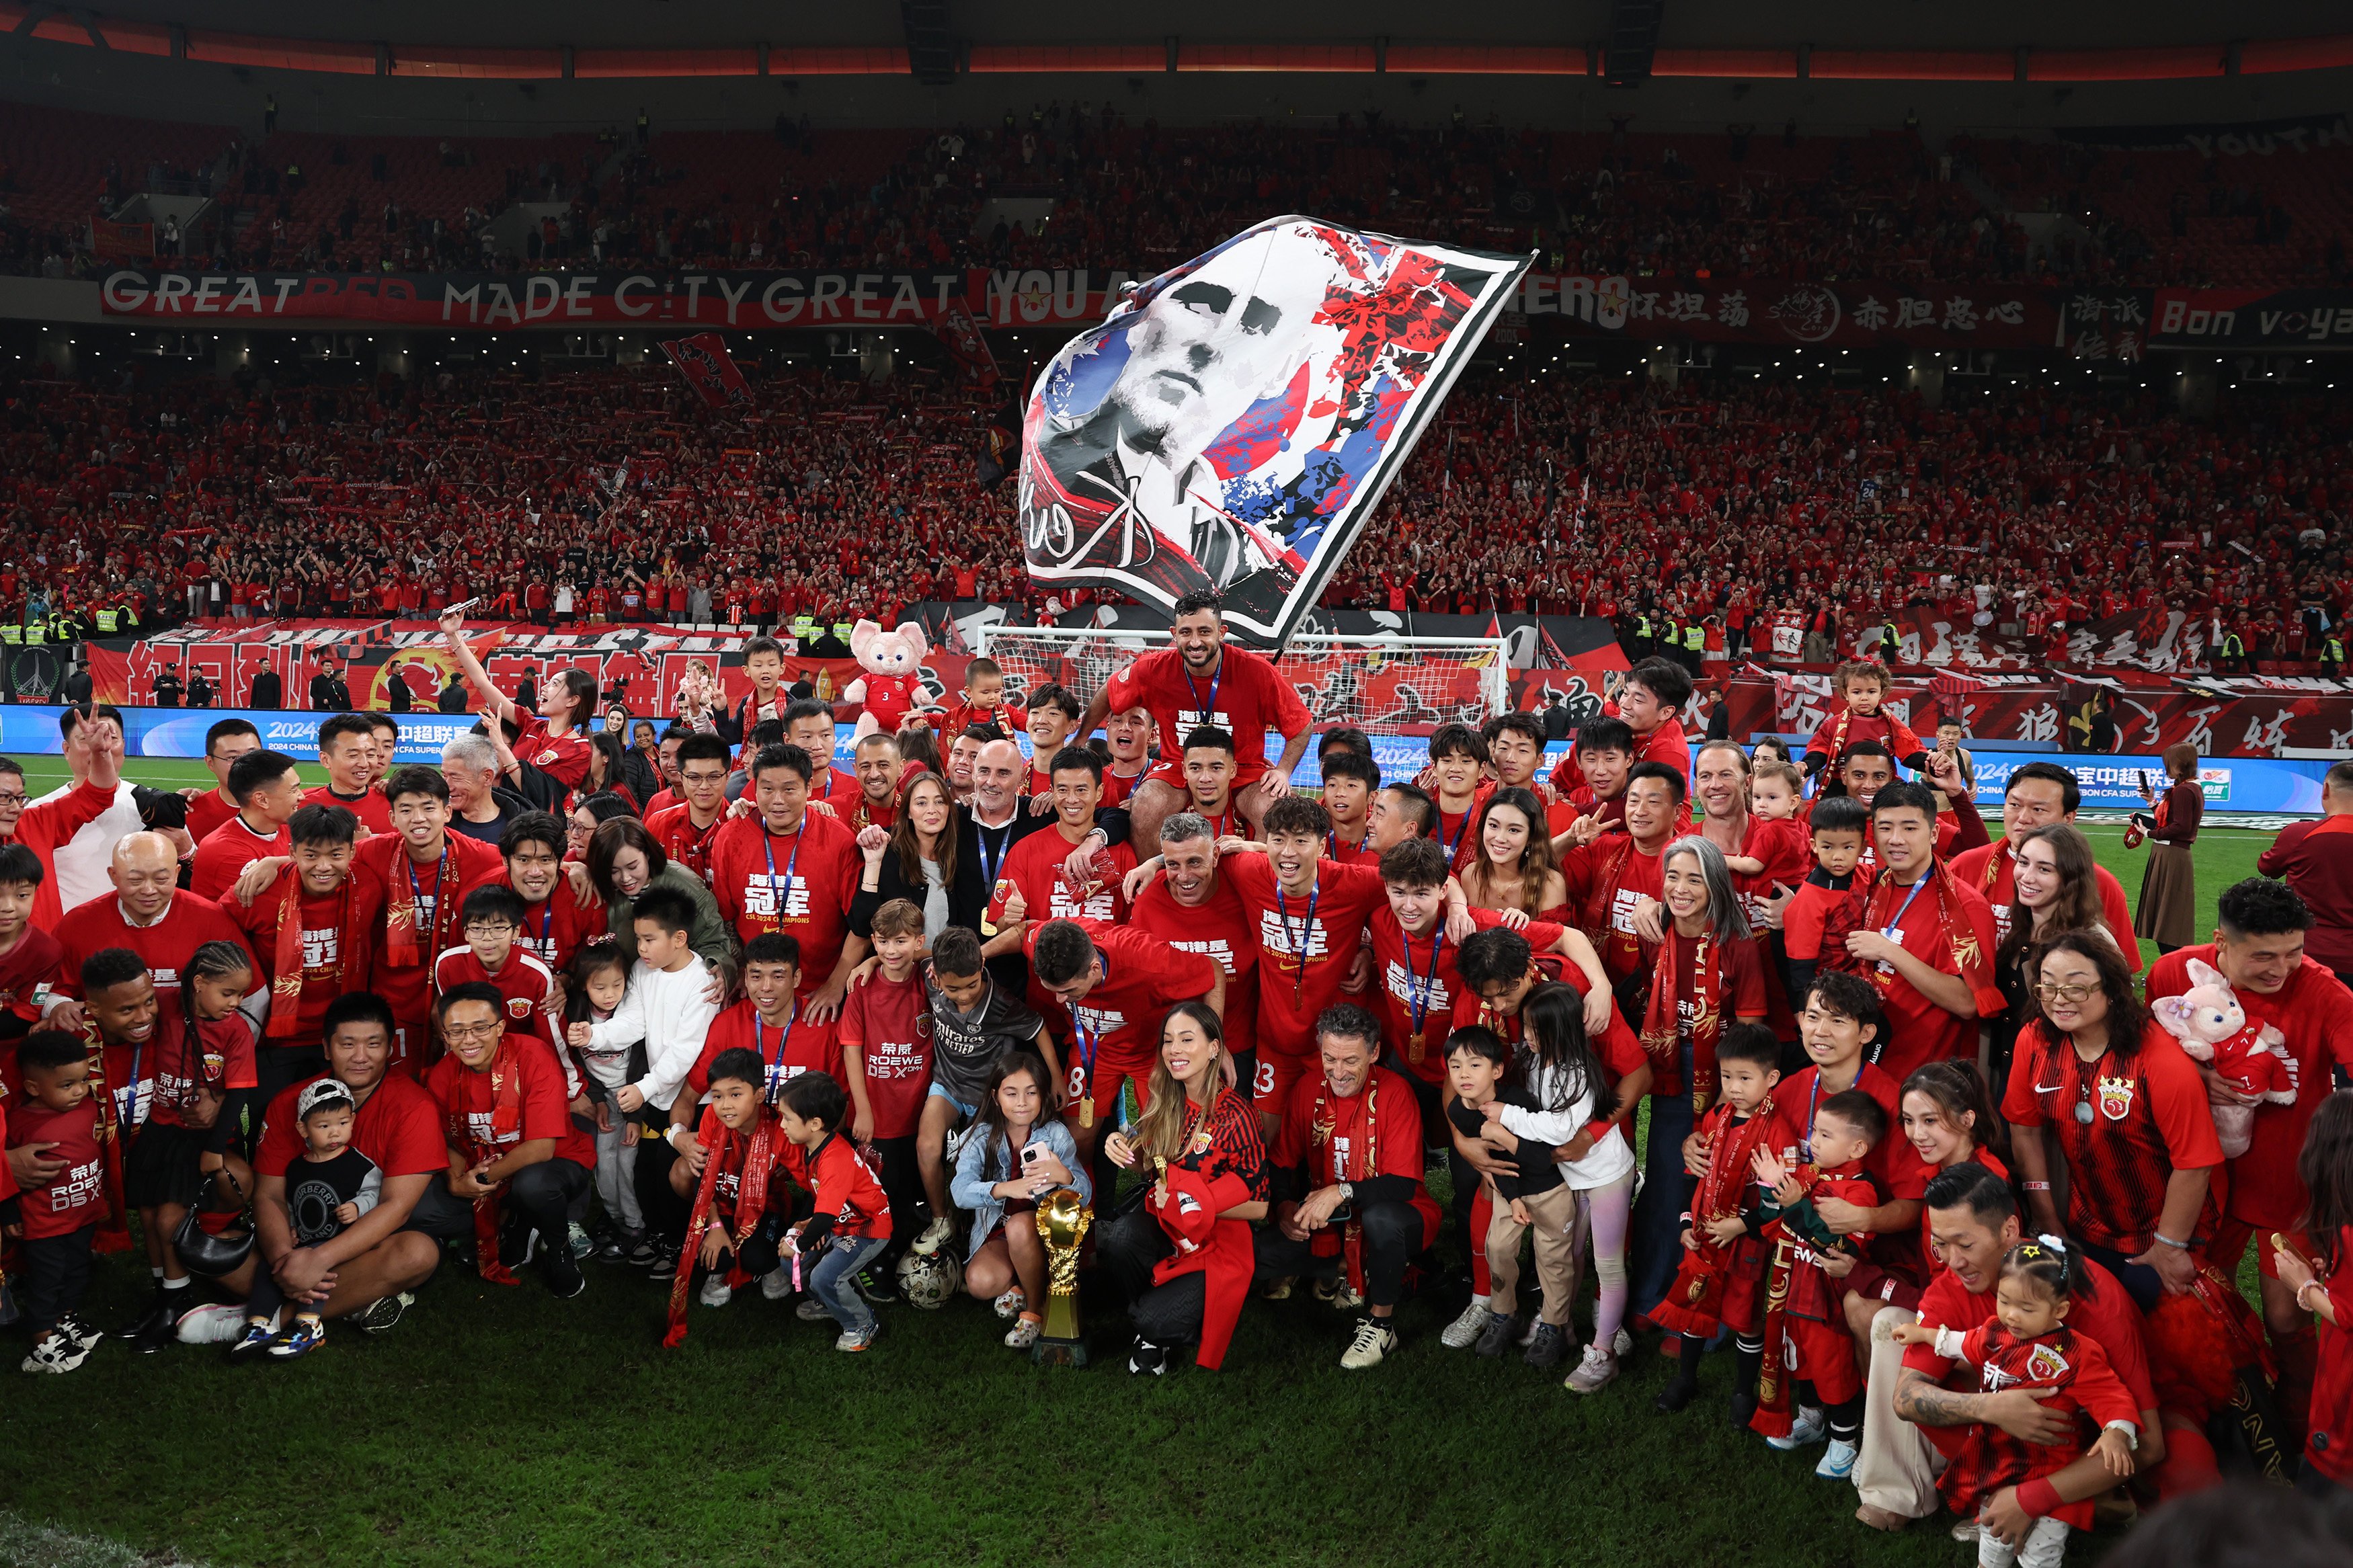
(1375, 1339)
(777, 1283)
(59, 1352)
(934, 1235)
(214, 1323)
(1464, 1331)
(1622, 1344)
(1010, 1304)
(1597, 1371)
(1838, 1462)
(1023, 1333)
(716, 1291)
(1810, 1427)
(1966, 1531)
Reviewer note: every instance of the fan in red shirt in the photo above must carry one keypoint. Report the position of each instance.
(1311, 916)
(1648, 699)
(226, 740)
(1193, 910)
(347, 751)
(2038, 794)
(886, 1056)
(420, 873)
(516, 1158)
(1612, 876)
(808, 724)
(2317, 1269)
(32, 965)
(788, 869)
(1348, 1165)
(1924, 939)
(148, 914)
(555, 740)
(983, 702)
(268, 789)
(1198, 681)
(875, 763)
(1115, 986)
(2259, 951)
(555, 921)
(491, 920)
(688, 830)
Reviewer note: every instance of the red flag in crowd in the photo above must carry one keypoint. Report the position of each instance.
(955, 328)
(702, 360)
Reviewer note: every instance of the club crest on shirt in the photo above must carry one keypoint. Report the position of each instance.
(518, 1007)
(2115, 1098)
(545, 757)
(2046, 1364)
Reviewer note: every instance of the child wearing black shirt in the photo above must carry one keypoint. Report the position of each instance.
(1536, 1200)
(329, 1188)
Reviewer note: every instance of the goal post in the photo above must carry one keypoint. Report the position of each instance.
(1383, 685)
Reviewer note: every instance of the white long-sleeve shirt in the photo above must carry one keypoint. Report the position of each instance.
(1608, 1160)
(669, 1011)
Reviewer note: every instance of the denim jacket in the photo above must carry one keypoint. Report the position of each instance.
(981, 1163)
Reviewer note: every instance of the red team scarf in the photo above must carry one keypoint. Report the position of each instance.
(506, 1117)
(1694, 1304)
(751, 1201)
(1320, 1129)
(1661, 1020)
(1773, 1418)
(286, 960)
(1968, 959)
(113, 1231)
(1595, 917)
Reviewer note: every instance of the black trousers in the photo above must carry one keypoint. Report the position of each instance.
(1392, 1236)
(542, 1194)
(902, 1184)
(56, 1277)
(759, 1252)
(1126, 1251)
(280, 1067)
(665, 1212)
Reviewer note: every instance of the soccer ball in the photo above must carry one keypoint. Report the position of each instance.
(928, 1280)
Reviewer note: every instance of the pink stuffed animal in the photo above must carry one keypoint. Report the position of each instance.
(893, 684)
(2251, 1057)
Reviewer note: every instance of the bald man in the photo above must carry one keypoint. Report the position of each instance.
(998, 818)
(148, 914)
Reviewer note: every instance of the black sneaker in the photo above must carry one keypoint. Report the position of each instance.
(383, 1312)
(1548, 1348)
(518, 1244)
(665, 1263)
(1501, 1332)
(645, 1251)
(877, 1285)
(1679, 1392)
(1147, 1357)
(562, 1275)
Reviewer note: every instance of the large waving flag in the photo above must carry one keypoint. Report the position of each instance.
(703, 360)
(1235, 421)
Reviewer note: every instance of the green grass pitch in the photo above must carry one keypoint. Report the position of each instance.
(496, 1427)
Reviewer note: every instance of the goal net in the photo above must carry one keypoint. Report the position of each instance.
(1382, 685)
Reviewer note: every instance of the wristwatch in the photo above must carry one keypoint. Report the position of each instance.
(1347, 1191)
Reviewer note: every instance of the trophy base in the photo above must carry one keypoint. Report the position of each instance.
(1059, 1352)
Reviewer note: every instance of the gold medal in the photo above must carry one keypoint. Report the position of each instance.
(1414, 1045)
(1087, 1112)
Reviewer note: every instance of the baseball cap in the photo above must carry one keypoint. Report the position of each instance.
(326, 1091)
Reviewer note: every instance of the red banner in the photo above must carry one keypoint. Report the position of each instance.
(704, 361)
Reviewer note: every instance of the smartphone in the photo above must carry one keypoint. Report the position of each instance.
(1032, 1153)
(462, 604)
(2144, 780)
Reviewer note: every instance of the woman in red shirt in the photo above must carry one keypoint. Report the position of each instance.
(554, 741)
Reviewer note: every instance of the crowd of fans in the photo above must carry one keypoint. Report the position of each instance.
(1747, 202)
(1745, 504)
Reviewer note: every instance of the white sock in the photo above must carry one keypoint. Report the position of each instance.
(1479, 1300)
(179, 1284)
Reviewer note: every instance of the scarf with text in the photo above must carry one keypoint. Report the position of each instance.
(1694, 1304)
(1969, 960)
(286, 968)
(759, 1156)
(506, 1119)
(1367, 1159)
(402, 948)
(1662, 1020)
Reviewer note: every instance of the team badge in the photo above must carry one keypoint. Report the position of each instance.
(2116, 1097)
(519, 1007)
(544, 757)
(2046, 1365)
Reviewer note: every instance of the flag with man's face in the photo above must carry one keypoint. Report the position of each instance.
(1234, 423)
(703, 360)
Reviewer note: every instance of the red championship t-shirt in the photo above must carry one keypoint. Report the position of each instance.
(369, 805)
(1222, 930)
(1387, 1142)
(427, 900)
(1142, 977)
(1918, 1031)
(799, 1046)
(165, 946)
(1035, 867)
(458, 1091)
(1307, 946)
(888, 1023)
(1893, 1161)
(399, 1128)
(800, 882)
(1419, 988)
(1635, 877)
(337, 931)
(1246, 698)
(525, 984)
(223, 856)
(553, 928)
(75, 1196)
(682, 841)
(1991, 869)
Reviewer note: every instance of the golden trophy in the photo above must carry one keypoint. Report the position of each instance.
(1062, 1221)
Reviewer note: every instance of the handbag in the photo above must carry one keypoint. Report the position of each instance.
(210, 1253)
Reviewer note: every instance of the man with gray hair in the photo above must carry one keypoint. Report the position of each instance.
(469, 766)
(1191, 909)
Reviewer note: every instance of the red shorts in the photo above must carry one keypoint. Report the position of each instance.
(1275, 1077)
(1823, 1354)
(2230, 1243)
(1110, 1076)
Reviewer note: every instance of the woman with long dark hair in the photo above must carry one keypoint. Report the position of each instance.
(1515, 867)
(1017, 1151)
(1183, 1258)
(2167, 911)
(554, 740)
(914, 858)
(2054, 887)
(2099, 1086)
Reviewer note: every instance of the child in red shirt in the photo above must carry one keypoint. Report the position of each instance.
(2027, 1345)
(1827, 903)
(851, 1223)
(885, 1039)
(1862, 685)
(61, 1218)
(2319, 1267)
(736, 1226)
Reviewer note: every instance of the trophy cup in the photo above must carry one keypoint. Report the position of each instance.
(1062, 1221)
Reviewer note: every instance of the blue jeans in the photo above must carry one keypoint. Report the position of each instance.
(1655, 1246)
(831, 1280)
